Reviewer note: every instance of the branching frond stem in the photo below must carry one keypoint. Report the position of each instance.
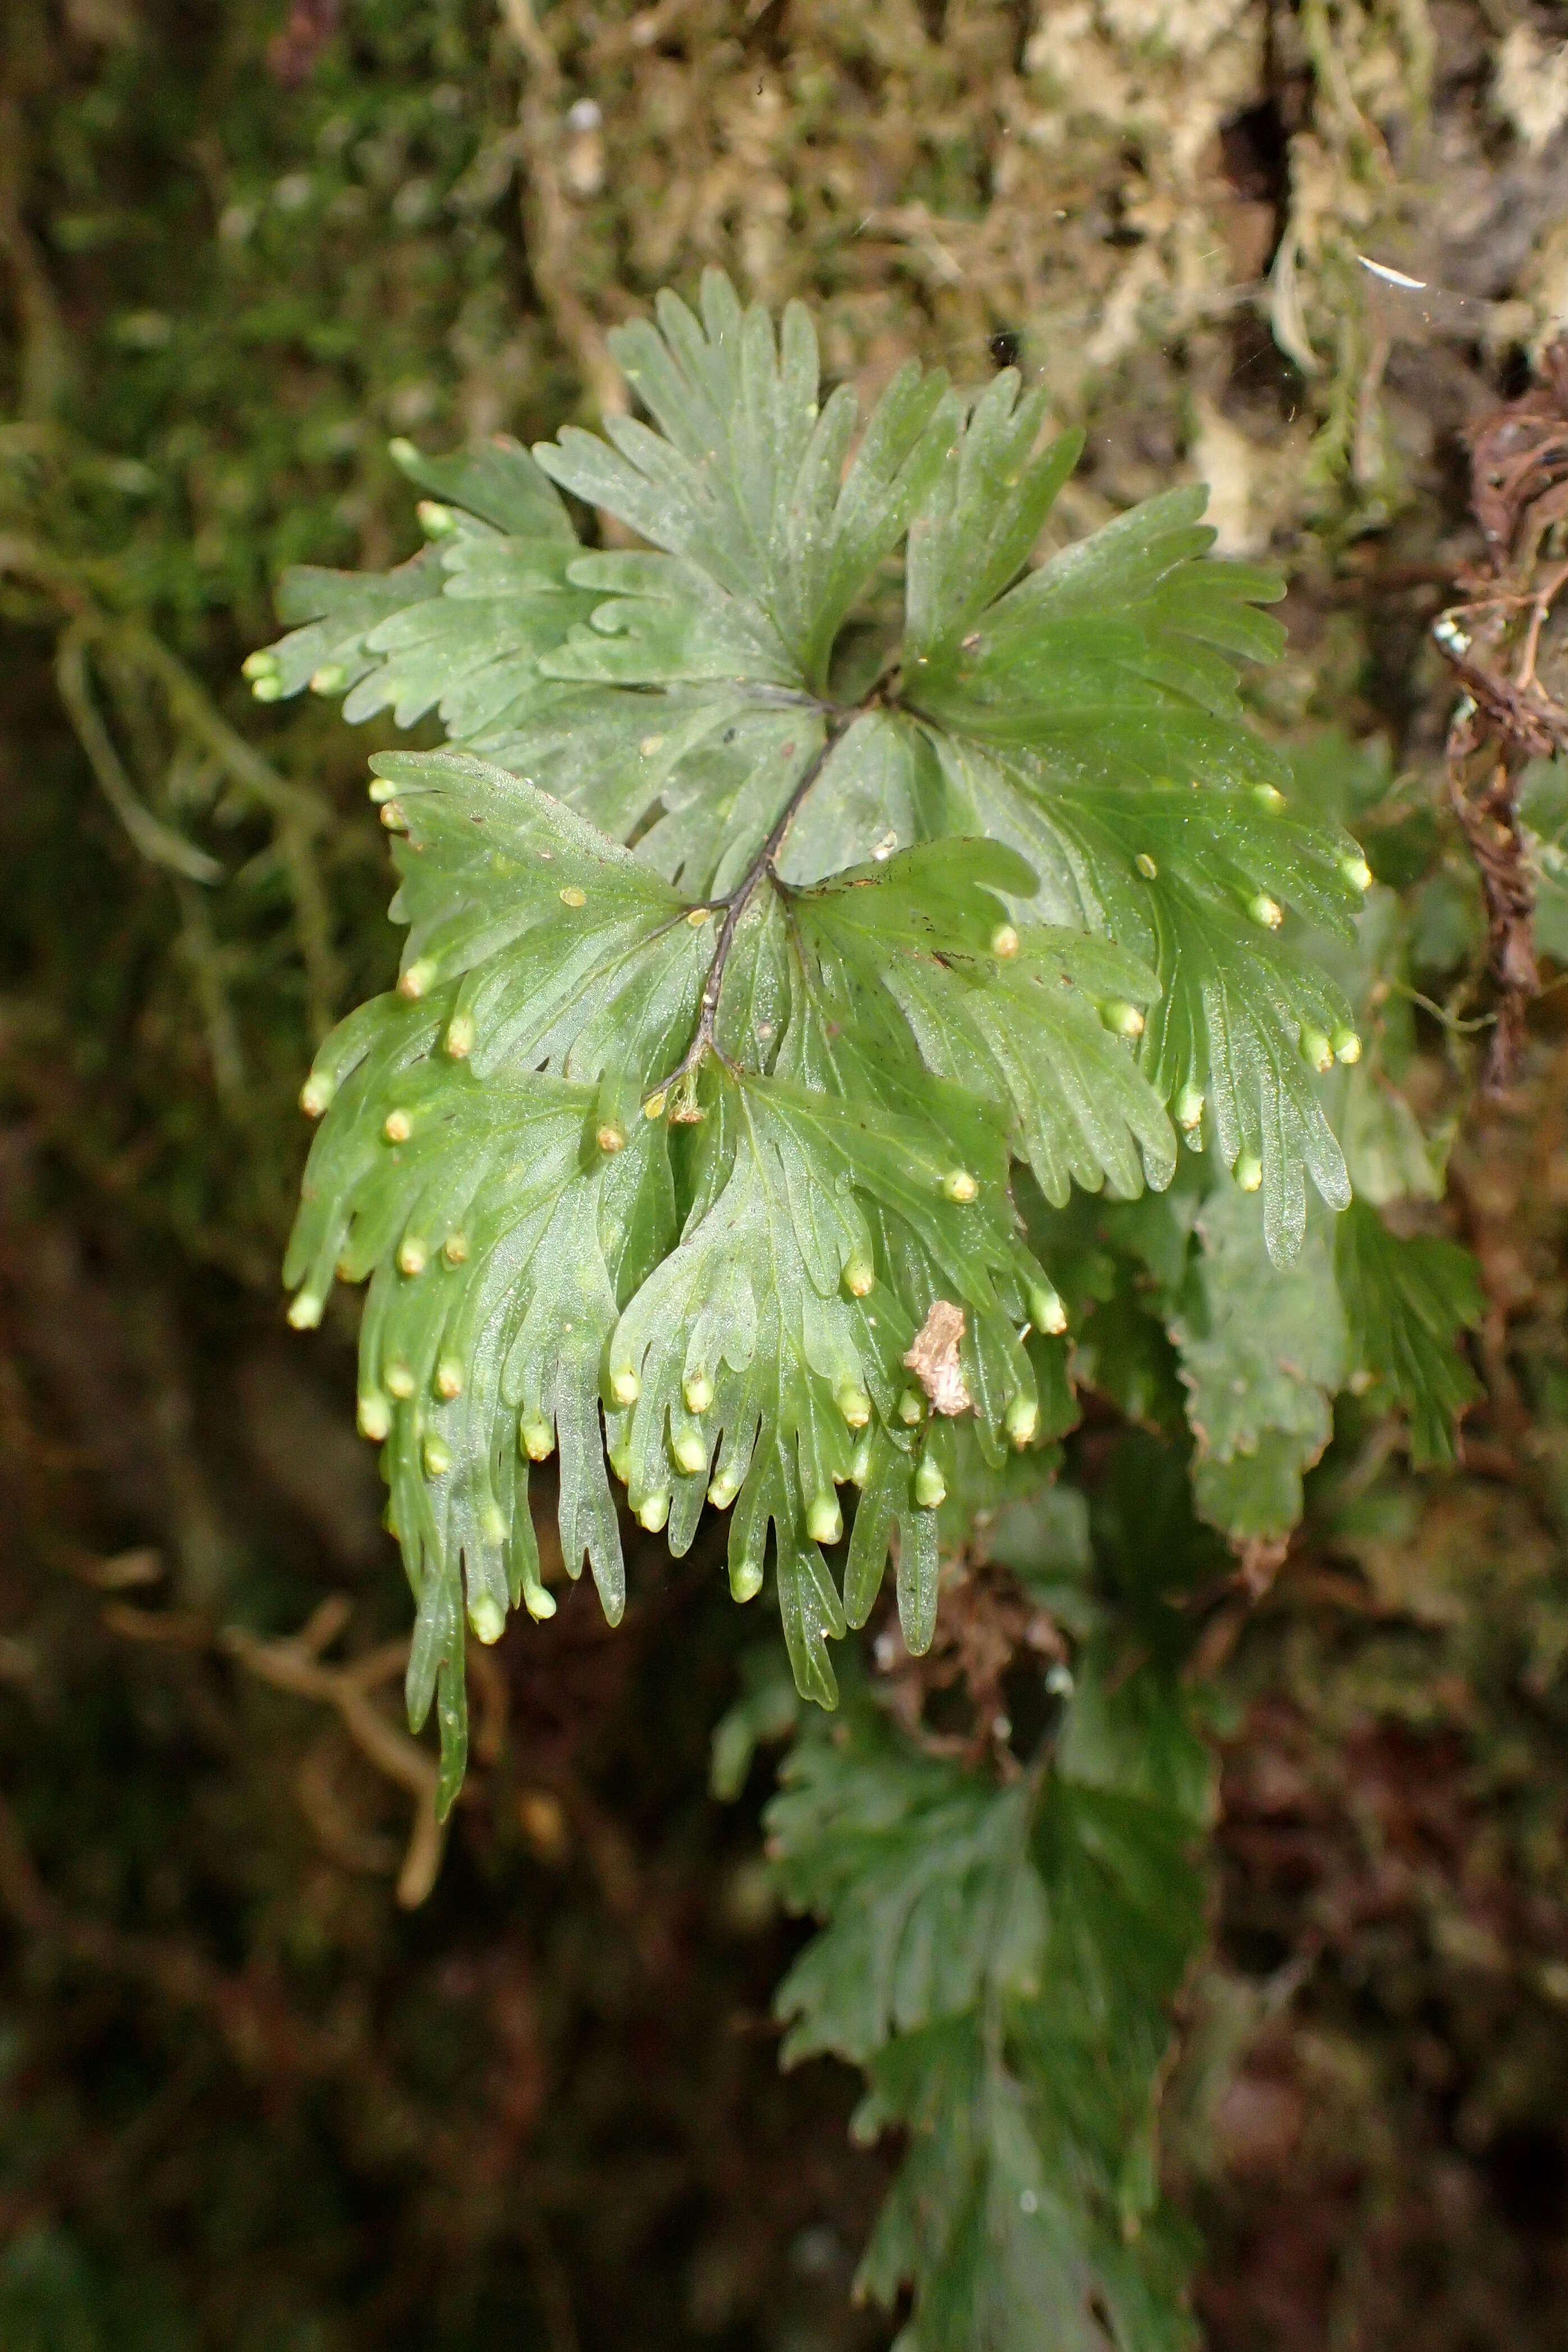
(737, 900)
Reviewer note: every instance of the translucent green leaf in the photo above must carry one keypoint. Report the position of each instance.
(659, 620)
(1199, 882)
(707, 775)
(1406, 1301)
(474, 653)
(571, 955)
(880, 792)
(762, 1361)
(977, 529)
(1012, 1016)
(1226, 1037)
(1263, 1351)
(497, 483)
(1034, 1035)
(792, 1000)
(497, 488)
(756, 1359)
(501, 1239)
(1114, 660)
(762, 977)
(335, 614)
(748, 478)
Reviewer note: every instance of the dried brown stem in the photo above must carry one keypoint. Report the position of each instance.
(295, 1665)
(1489, 821)
(1519, 458)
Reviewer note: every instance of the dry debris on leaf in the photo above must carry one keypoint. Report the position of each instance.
(933, 1358)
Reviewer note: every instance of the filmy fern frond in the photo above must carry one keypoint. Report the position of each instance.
(1000, 1958)
(728, 1006)
(774, 992)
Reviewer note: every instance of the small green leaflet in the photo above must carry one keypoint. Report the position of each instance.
(1263, 1351)
(502, 1241)
(1198, 883)
(496, 484)
(1262, 1354)
(1543, 811)
(1406, 1302)
(335, 615)
(1013, 1015)
(1112, 660)
(977, 530)
(750, 482)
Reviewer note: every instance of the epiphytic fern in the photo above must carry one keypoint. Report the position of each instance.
(779, 978)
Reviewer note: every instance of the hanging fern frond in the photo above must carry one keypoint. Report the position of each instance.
(772, 994)
(727, 1007)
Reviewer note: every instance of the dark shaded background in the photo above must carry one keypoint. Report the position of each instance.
(248, 2100)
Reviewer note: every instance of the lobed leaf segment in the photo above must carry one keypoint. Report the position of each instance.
(1000, 1954)
(753, 949)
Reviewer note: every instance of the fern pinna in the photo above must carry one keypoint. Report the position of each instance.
(777, 965)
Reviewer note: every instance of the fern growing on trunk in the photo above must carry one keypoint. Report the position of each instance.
(781, 972)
